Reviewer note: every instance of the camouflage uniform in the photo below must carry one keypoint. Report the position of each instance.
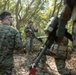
(68, 12)
(60, 52)
(29, 37)
(60, 62)
(10, 40)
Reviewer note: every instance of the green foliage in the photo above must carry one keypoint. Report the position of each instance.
(40, 11)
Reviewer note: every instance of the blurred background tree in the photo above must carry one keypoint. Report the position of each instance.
(39, 11)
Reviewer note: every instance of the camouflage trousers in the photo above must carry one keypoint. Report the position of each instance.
(29, 44)
(44, 59)
(60, 64)
(60, 52)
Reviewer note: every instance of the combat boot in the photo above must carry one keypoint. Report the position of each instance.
(73, 72)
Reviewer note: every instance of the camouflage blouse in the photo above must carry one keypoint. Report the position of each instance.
(10, 40)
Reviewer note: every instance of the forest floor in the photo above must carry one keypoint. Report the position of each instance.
(23, 61)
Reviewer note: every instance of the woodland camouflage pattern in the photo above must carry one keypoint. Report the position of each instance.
(60, 56)
(60, 62)
(10, 40)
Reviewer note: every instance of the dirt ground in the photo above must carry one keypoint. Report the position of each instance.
(23, 61)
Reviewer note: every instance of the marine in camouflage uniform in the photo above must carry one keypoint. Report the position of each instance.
(61, 52)
(29, 32)
(68, 12)
(10, 40)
